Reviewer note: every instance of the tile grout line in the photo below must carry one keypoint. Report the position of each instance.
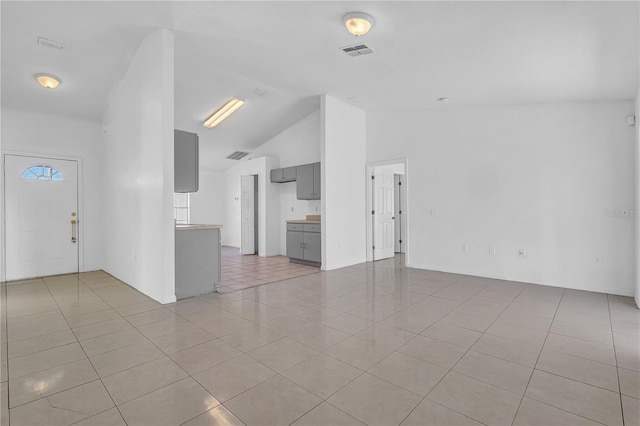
(77, 342)
(533, 370)
(134, 366)
(463, 355)
(137, 365)
(214, 306)
(615, 354)
(362, 372)
(83, 350)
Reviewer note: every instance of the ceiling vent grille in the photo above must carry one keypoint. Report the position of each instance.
(357, 50)
(261, 91)
(50, 43)
(238, 155)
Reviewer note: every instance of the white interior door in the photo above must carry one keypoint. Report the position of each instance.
(41, 206)
(247, 211)
(383, 235)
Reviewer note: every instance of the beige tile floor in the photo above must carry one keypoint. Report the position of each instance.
(375, 344)
(245, 271)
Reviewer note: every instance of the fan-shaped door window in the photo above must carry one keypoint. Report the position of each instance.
(42, 173)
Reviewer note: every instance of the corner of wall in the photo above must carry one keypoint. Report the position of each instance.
(138, 226)
(343, 154)
(637, 206)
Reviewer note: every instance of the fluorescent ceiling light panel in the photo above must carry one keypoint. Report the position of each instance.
(225, 111)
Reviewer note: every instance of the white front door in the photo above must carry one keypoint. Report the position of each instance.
(383, 232)
(247, 212)
(41, 208)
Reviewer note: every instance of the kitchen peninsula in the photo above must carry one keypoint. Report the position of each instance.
(198, 263)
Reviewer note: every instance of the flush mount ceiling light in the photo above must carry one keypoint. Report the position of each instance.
(358, 23)
(443, 99)
(47, 81)
(223, 112)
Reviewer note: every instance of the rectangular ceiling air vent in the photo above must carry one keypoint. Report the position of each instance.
(237, 155)
(261, 91)
(50, 43)
(357, 50)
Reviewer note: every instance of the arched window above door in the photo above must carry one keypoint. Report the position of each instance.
(42, 172)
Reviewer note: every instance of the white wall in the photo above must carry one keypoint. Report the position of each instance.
(207, 205)
(297, 145)
(232, 220)
(268, 205)
(44, 134)
(538, 177)
(138, 205)
(343, 156)
(637, 212)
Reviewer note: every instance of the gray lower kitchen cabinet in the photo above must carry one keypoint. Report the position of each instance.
(186, 161)
(294, 244)
(308, 182)
(304, 243)
(312, 244)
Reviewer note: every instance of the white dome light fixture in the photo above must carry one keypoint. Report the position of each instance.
(47, 81)
(358, 23)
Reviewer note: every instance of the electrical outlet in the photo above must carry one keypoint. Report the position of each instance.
(522, 253)
(292, 208)
(465, 248)
(492, 250)
(434, 212)
(317, 209)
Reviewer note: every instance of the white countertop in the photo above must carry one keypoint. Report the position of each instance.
(195, 227)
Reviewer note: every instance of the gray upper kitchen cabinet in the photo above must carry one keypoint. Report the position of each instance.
(287, 174)
(308, 182)
(186, 161)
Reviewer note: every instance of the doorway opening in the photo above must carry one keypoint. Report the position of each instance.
(387, 215)
(42, 225)
(249, 266)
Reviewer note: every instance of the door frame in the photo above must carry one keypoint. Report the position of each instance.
(401, 224)
(370, 166)
(81, 220)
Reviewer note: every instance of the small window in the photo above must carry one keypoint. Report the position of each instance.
(42, 173)
(181, 208)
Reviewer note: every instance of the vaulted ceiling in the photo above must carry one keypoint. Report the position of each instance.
(475, 53)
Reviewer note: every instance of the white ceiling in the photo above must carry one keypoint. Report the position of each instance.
(475, 53)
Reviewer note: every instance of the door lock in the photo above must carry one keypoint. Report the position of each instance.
(74, 231)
